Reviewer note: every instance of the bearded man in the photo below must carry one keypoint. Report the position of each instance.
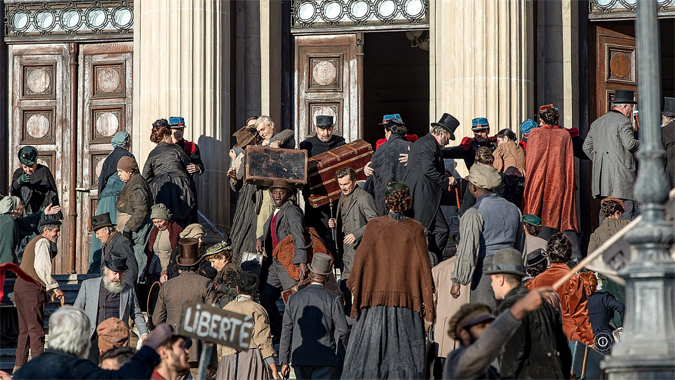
(109, 297)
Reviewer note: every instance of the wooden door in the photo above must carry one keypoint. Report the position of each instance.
(616, 65)
(328, 81)
(104, 108)
(39, 115)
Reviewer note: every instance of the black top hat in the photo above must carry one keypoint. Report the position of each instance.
(189, 252)
(449, 123)
(323, 121)
(116, 262)
(669, 107)
(28, 155)
(507, 261)
(624, 96)
(320, 264)
(49, 220)
(100, 221)
(535, 257)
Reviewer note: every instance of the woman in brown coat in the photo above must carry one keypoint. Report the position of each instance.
(225, 282)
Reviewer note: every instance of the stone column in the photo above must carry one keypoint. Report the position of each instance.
(482, 62)
(181, 68)
(270, 60)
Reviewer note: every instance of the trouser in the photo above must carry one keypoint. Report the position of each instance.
(312, 372)
(630, 213)
(438, 234)
(277, 280)
(30, 301)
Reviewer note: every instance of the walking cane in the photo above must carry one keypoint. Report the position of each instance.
(333, 233)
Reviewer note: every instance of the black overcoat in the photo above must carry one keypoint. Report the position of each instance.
(425, 175)
(386, 169)
(38, 193)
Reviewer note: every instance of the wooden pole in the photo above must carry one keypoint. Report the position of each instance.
(72, 193)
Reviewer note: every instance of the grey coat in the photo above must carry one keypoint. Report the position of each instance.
(87, 300)
(289, 221)
(611, 145)
(354, 214)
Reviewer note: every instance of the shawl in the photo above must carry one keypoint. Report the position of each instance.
(549, 182)
(392, 268)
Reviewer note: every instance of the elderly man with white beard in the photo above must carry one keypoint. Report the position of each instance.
(107, 297)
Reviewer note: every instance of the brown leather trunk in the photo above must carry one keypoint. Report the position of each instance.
(322, 167)
(264, 165)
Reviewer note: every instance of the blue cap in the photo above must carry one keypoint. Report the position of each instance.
(527, 125)
(176, 122)
(393, 116)
(479, 124)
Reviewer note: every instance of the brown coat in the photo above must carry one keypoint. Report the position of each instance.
(576, 324)
(509, 154)
(134, 199)
(446, 305)
(260, 336)
(607, 229)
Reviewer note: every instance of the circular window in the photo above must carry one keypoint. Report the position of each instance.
(359, 11)
(122, 17)
(20, 21)
(96, 18)
(71, 19)
(306, 12)
(45, 20)
(386, 9)
(413, 9)
(332, 11)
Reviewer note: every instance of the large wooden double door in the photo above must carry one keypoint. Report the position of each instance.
(68, 100)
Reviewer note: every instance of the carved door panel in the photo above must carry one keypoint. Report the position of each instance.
(39, 115)
(105, 108)
(328, 78)
(616, 66)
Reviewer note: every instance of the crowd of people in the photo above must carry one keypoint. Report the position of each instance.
(403, 305)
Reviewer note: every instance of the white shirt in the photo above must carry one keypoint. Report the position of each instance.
(43, 264)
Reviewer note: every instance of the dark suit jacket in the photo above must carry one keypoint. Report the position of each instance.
(425, 175)
(289, 221)
(308, 336)
(122, 245)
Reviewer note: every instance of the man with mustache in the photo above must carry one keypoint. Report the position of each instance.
(109, 297)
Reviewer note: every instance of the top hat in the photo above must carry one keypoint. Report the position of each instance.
(624, 96)
(320, 264)
(507, 261)
(49, 220)
(323, 121)
(669, 107)
(28, 155)
(449, 123)
(480, 124)
(468, 315)
(535, 257)
(244, 136)
(100, 221)
(176, 122)
(393, 116)
(281, 183)
(116, 262)
(189, 252)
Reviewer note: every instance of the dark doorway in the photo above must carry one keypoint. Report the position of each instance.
(396, 80)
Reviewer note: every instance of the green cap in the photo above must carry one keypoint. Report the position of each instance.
(393, 187)
(532, 220)
(28, 155)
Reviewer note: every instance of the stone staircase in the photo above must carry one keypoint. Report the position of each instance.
(70, 284)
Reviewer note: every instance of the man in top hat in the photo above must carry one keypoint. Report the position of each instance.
(285, 220)
(109, 296)
(467, 148)
(114, 241)
(491, 224)
(611, 145)
(188, 286)
(312, 317)
(177, 125)
(482, 337)
(31, 297)
(668, 138)
(426, 177)
(538, 349)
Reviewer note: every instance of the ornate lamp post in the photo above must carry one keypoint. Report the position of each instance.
(647, 348)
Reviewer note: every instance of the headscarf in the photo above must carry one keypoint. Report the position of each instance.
(128, 164)
(192, 230)
(120, 139)
(160, 211)
(9, 204)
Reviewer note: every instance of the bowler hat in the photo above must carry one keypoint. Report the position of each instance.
(468, 315)
(669, 107)
(535, 257)
(244, 136)
(624, 96)
(176, 122)
(532, 220)
(324, 121)
(480, 124)
(116, 262)
(189, 252)
(449, 123)
(320, 264)
(49, 220)
(100, 221)
(28, 155)
(507, 261)
(393, 116)
(281, 184)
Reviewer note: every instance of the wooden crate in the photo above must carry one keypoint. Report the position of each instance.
(264, 165)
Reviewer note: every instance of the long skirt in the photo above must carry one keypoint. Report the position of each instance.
(107, 201)
(242, 232)
(243, 365)
(386, 343)
(176, 192)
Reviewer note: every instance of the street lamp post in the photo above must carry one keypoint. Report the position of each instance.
(647, 346)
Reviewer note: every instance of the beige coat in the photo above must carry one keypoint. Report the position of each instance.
(260, 336)
(509, 154)
(446, 306)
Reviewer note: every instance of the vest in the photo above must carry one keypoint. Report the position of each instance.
(501, 220)
(28, 262)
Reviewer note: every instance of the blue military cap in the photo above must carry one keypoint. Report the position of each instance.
(176, 122)
(480, 124)
(393, 116)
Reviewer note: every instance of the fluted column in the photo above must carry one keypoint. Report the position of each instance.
(482, 61)
(181, 68)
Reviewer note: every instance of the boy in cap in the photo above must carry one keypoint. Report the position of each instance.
(466, 150)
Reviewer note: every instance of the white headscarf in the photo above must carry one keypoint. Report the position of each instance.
(9, 204)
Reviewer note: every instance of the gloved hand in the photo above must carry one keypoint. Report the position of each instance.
(24, 179)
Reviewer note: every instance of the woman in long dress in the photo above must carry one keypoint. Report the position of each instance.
(393, 303)
(109, 187)
(166, 173)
